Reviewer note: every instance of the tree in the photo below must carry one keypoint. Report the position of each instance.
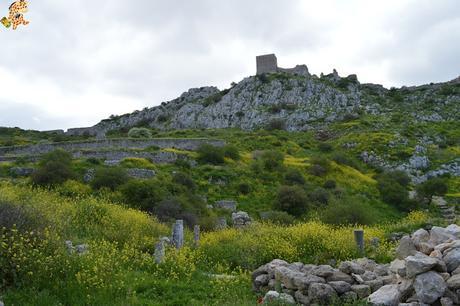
(432, 187)
(210, 154)
(272, 160)
(294, 177)
(53, 169)
(292, 199)
(111, 178)
(143, 194)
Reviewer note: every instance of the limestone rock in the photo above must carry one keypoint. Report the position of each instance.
(420, 236)
(241, 219)
(340, 286)
(321, 293)
(375, 284)
(351, 267)
(429, 287)
(361, 290)
(439, 235)
(452, 259)
(349, 296)
(445, 301)
(301, 298)
(454, 230)
(406, 248)
(261, 281)
(398, 266)
(419, 263)
(302, 282)
(340, 276)
(454, 282)
(388, 295)
(324, 271)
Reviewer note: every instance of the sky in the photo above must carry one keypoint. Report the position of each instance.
(79, 61)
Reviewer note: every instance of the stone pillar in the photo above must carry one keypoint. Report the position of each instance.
(178, 234)
(359, 239)
(196, 235)
(159, 252)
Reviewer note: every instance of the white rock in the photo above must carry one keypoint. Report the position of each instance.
(398, 266)
(454, 229)
(406, 248)
(440, 235)
(388, 295)
(429, 287)
(419, 263)
(452, 259)
(271, 296)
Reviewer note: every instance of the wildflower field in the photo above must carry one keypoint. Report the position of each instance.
(119, 269)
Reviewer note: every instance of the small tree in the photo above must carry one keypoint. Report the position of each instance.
(294, 177)
(53, 169)
(111, 178)
(432, 187)
(232, 152)
(292, 199)
(272, 160)
(142, 194)
(210, 154)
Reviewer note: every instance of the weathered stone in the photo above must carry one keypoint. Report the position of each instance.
(420, 236)
(178, 234)
(436, 254)
(429, 287)
(159, 252)
(398, 266)
(261, 281)
(452, 259)
(323, 271)
(82, 249)
(445, 301)
(241, 219)
(388, 295)
(140, 173)
(454, 229)
(388, 279)
(425, 248)
(271, 296)
(451, 295)
(419, 263)
(361, 290)
(366, 263)
(439, 235)
(456, 271)
(340, 276)
(445, 275)
(285, 298)
(351, 267)
(302, 282)
(340, 286)
(382, 270)
(357, 278)
(308, 268)
(286, 276)
(375, 284)
(226, 204)
(406, 248)
(454, 282)
(301, 298)
(349, 296)
(368, 275)
(321, 293)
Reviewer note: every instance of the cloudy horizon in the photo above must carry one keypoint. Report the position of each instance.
(78, 62)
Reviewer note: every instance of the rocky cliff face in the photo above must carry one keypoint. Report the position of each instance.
(295, 102)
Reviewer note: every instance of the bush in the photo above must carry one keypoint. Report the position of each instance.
(185, 180)
(182, 163)
(394, 194)
(342, 159)
(319, 195)
(350, 210)
(272, 160)
(142, 194)
(53, 169)
(20, 217)
(294, 177)
(325, 147)
(278, 217)
(244, 188)
(398, 176)
(139, 133)
(330, 184)
(168, 210)
(74, 189)
(319, 166)
(432, 187)
(292, 199)
(232, 152)
(111, 178)
(210, 154)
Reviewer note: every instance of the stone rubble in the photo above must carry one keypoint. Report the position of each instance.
(425, 272)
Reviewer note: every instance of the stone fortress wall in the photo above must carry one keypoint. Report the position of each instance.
(162, 143)
(269, 64)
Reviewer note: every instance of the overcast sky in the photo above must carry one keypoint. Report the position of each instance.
(79, 61)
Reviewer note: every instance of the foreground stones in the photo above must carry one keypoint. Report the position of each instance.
(426, 272)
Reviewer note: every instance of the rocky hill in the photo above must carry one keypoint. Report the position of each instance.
(295, 101)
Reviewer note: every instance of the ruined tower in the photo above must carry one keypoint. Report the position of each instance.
(267, 63)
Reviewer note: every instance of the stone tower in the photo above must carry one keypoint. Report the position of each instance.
(267, 63)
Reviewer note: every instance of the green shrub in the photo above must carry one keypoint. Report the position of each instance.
(278, 217)
(348, 210)
(142, 194)
(74, 189)
(182, 163)
(110, 177)
(53, 169)
(342, 159)
(232, 152)
(272, 160)
(185, 180)
(319, 195)
(244, 188)
(317, 170)
(293, 176)
(394, 194)
(398, 176)
(325, 147)
(20, 217)
(330, 184)
(292, 199)
(139, 133)
(432, 187)
(276, 125)
(210, 154)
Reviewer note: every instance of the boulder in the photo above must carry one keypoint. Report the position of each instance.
(349, 296)
(456, 271)
(285, 298)
(241, 219)
(287, 276)
(351, 267)
(375, 284)
(454, 282)
(324, 271)
(340, 276)
(368, 275)
(425, 248)
(321, 293)
(398, 266)
(271, 296)
(429, 287)
(303, 282)
(452, 259)
(440, 235)
(361, 290)
(445, 301)
(420, 236)
(388, 295)
(382, 270)
(340, 286)
(419, 263)
(406, 248)
(261, 281)
(454, 230)
(301, 298)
